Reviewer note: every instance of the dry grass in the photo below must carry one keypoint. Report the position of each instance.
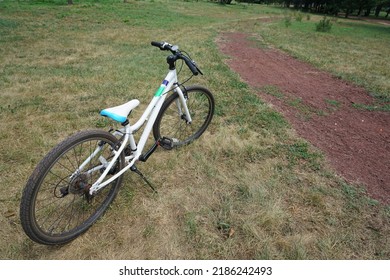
(248, 189)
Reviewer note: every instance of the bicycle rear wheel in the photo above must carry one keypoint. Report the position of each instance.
(56, 206)
(171, 121)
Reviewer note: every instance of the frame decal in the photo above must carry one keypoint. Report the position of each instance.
(160, 91)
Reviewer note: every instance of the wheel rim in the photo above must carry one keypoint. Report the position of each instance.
(62, 205)
(173, 123)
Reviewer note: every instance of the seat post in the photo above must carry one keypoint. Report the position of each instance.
(128, 131)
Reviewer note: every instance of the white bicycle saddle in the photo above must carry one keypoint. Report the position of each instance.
(120, 113)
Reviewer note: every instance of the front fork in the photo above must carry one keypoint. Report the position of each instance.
(183, 97)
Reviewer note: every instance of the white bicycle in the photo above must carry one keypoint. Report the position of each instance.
(75, 182)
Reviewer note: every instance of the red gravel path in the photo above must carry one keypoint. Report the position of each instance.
(319, 107)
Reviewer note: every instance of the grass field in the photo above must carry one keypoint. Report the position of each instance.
(248, 189)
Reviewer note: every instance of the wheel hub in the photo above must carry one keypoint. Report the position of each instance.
(77, 186)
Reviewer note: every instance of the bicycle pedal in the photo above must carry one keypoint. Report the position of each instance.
(168, 143)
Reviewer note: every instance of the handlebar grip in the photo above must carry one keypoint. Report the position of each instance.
(164, 46)
(192, 67)
(156, 44)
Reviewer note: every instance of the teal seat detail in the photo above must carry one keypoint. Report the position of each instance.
(115, 117)
(120, 113)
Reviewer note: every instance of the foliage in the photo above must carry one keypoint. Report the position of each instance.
(223, 2)
(287, 20)
(324, 25)
(335, 7)
(299, 16)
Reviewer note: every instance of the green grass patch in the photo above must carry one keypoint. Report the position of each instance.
(273, 90)
(301, 152)
(333, 103)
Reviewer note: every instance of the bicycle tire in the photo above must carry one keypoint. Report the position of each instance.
(170, 122)
(56, 209)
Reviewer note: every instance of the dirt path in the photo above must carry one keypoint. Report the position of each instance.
(319, 107)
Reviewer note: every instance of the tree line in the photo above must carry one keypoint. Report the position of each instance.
(332, 7)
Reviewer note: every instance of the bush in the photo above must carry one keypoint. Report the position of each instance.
(324, 25)
(299, 17)
(287, 20)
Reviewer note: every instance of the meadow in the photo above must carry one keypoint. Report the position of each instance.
(249, 188)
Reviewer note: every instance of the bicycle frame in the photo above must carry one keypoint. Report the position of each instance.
(127, 133)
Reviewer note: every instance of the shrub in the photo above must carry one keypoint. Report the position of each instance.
(287, 20)
(324, 25)
(299, 17)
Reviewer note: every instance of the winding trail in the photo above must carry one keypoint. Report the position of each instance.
(320, 108)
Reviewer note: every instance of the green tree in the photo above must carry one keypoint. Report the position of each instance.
(381, 4)
(359, 7)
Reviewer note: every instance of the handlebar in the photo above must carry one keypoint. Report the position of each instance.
(177, 54)
(164, 46)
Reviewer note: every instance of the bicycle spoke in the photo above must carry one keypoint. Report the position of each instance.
(59, 206)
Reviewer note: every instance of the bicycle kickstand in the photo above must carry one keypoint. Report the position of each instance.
(135, 169)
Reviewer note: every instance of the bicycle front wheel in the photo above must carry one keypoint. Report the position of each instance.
(56, 206)
(172, 123)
